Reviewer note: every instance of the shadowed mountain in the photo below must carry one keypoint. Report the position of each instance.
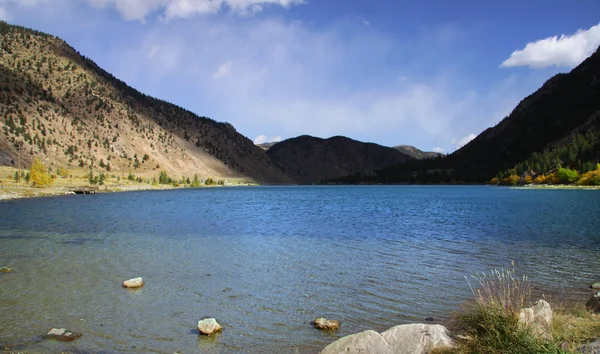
(311, 160)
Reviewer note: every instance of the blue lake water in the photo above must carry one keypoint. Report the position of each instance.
(266, 261)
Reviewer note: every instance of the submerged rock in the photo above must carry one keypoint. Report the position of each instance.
(133, 283)
(325, 324)
(209, 326)
(5, 270)
(538, 317)
(593, 303)
(403, 339)
(62, 335)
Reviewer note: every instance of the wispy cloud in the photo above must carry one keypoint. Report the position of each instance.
(438, 149)
(171, 9)
(261, 139)
(223, 70)
(566, 50)
(3, 14)
(463, 141)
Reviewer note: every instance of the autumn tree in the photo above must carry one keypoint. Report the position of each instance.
(38, 175)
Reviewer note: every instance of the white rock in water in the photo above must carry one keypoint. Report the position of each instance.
(539, 317)
(417, 338)
(363, 342)
(596, 285)
(133, 283)
(325, 324)
(62, 335)
(209, 326)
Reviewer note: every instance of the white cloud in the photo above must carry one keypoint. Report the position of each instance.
(438, 149)
(223, 70)
(464, 141)
(566, 50)
(139, 9)
(261, 139)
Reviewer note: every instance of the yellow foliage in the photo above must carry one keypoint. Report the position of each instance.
(494, 181)
(512, 180)
(63, 172)
(540, 179)
(39, 176)
(591, 178)
(528, 179)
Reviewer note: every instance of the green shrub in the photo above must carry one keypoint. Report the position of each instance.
(567, 176)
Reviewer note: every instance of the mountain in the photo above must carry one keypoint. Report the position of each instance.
(308, 160)
(267, 146)
(60, 106)
(416, 153)
(559, 124)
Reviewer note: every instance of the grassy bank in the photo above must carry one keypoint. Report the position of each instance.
(10, 188)
(490, 324)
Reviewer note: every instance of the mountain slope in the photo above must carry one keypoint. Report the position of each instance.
(311, 160)
(60, 106)
(416, 153)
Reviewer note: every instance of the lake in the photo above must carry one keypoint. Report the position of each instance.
(266, 261)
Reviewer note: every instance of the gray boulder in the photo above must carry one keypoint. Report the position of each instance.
(538, 317)
(403, 339)
(363, 342)
(417, 338)
(590, 348)
(596, 285)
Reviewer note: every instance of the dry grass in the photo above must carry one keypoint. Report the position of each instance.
(490, 322)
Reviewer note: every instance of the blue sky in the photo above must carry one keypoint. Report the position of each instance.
(432, 74)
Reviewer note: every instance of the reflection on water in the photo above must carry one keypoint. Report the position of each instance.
(267, 261)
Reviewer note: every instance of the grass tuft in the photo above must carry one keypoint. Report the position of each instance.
(489, 324)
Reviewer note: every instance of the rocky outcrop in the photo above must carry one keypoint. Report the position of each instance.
(593, 303)
(62, 335)
(133, 283)
(416, 153)
(325, 324)
(209, 326)
(590, 348)
(403, 339)
(538, 317)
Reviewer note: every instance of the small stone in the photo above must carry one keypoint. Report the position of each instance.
(62, 335)
(596, 285)
(325, 324)
(133, 283)
(5, 270)
(209, 326)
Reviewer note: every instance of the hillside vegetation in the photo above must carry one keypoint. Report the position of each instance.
(60, 106)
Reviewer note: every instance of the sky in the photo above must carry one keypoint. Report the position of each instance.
(431, 73)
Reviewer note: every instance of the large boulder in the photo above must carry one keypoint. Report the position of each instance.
(133, 283)
(363, 342)
(417, 338)
(403, 339)
(62, 335)
(593, 303)
(325, 324)
(209, 326)
(538, 317)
